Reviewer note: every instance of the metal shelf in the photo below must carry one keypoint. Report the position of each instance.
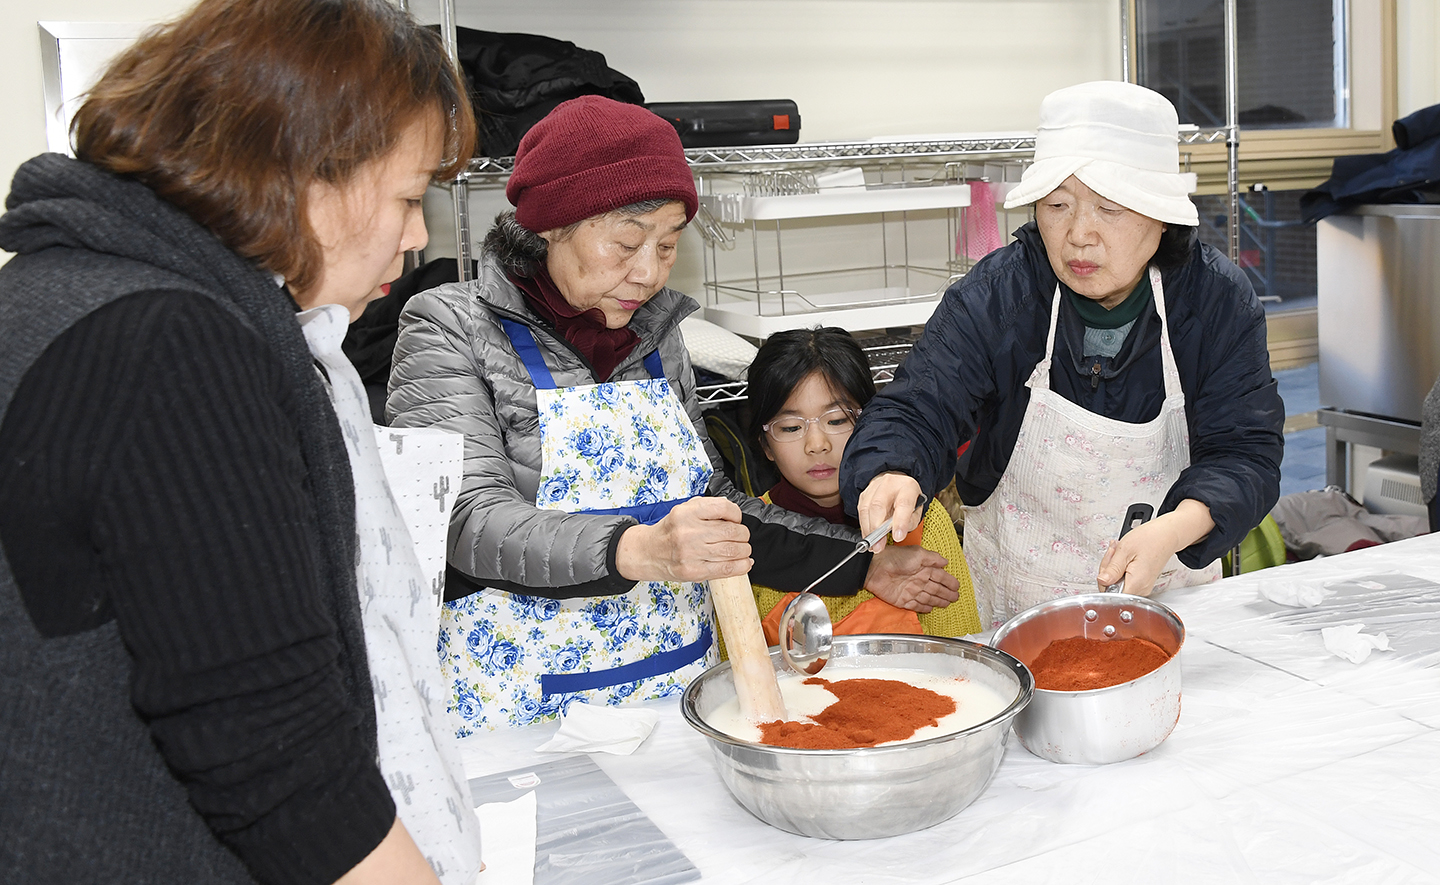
(1204, 136)
(884, 360)
(733, 158)
(729, 159)
(495, 169)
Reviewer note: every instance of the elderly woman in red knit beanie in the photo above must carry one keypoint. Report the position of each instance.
(592, 510)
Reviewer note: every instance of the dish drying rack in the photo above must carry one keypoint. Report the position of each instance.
(855, 247)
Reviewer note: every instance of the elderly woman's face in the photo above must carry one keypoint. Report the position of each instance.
(366, 225)
(615, 262)
(1097, 247)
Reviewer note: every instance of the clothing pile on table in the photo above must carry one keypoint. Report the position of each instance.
(1329, 521)
(1430, 454)
(516, 79)
(1408, 174)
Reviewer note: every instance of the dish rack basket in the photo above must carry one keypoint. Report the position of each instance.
(860, 248)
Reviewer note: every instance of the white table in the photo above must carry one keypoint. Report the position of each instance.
(1288, 764)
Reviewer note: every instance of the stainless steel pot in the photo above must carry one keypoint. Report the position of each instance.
(1103, 724)
(869, 792)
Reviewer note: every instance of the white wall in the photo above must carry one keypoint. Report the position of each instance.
(857, 69)
(1418, 29)
(21, 103)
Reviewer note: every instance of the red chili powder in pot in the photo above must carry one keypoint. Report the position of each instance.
(1080, 664)
(867, 712)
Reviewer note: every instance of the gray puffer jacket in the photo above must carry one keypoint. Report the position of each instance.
(454, 368)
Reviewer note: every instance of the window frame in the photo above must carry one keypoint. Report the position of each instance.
(1301, 158)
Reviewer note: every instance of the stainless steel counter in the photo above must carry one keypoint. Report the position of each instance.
(1379, 309)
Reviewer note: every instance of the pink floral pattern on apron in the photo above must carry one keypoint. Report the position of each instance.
(1071, 477)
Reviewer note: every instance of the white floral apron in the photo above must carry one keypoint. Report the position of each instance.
(624, 447)
(1072, 475)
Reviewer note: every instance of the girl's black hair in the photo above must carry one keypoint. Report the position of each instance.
(1176, 243)
(787, 358)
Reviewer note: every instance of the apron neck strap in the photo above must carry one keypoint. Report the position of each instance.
(1040, 377)
(523, 340)
(1167, 353)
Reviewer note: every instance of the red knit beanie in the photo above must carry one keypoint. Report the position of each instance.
(591, 155)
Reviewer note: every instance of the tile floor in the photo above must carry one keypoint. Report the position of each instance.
(1303, 466)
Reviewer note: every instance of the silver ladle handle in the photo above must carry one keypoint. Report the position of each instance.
(863, 545)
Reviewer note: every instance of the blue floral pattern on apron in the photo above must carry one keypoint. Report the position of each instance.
(624, 447)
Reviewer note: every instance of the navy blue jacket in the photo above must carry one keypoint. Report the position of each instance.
(965, 380)
(1408, 174)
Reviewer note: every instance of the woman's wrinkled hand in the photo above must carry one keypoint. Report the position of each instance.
(700, 539)
(913, 578)
(1131, 558)
(889, 495)
(1141, 555)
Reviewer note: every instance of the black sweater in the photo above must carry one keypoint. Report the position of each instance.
(149, 476)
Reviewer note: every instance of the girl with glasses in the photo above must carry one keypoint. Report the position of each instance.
(807, 387)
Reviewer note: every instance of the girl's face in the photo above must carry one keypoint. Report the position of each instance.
(809, 457)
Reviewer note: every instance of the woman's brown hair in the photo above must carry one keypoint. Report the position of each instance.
(232, 111)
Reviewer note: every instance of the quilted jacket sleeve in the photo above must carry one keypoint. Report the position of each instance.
(453, 369)
(447, 373)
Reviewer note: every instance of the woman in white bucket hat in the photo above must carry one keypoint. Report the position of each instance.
(1104, 359)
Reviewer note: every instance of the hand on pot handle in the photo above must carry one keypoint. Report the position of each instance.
(1142, 553)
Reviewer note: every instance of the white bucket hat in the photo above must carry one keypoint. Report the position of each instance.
(1121, 140)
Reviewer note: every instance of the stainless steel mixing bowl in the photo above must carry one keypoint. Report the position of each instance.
(1103, 724)
(869, 792)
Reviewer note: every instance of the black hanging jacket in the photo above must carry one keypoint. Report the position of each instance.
(1408, 174)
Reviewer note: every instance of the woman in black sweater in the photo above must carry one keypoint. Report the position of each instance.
(183, 670)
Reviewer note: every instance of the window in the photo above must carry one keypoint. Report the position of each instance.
(1290, 54)
(1277, 250)
(1316, 81)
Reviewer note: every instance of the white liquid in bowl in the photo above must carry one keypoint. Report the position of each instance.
(974, 703)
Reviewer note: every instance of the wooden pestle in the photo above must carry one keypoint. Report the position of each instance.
(755, 684)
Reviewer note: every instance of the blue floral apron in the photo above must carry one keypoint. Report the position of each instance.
(624, 447)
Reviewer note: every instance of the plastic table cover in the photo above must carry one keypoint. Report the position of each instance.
(1288, 763)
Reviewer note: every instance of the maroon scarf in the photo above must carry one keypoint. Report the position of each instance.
(603, 348)
(785, 495)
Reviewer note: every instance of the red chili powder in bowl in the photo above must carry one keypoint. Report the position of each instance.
(867, 712)
(1080, 664)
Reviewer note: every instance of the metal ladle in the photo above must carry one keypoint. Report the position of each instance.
(806, 633)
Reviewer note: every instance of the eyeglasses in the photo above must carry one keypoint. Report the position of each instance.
(834, 422)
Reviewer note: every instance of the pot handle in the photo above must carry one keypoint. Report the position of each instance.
(1137, 514)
